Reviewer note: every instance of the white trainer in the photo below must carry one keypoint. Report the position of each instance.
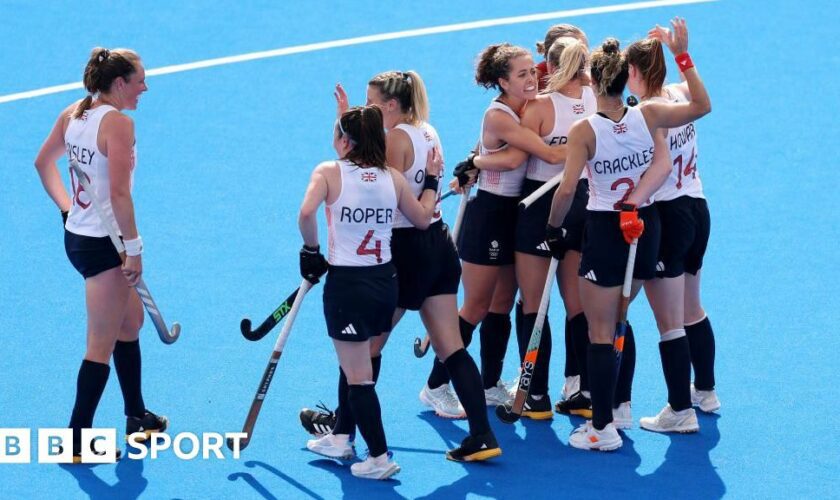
(668, 420)
(332, 446)
(443, 401)
(571, 386)
(587, 437)
(498, 395)
(707, 401)
(381, 467)
(622, 419)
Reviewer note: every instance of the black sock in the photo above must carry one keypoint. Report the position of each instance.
(494, 335)
(580, 338)
(539, 381)
(601, 383)
(624, 382)
(467, 383)
(701, 342)
(127, 365)
(345, 422)
(570, 369)
(90, 384)
(676, 365)
(439, 375)
(365, 405)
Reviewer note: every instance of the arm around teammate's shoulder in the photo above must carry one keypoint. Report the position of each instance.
(419, 213)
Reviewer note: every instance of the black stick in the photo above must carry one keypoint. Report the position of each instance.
(270, 322)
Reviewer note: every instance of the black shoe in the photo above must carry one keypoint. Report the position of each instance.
(147, 425)
(537, 409)
(577, 404)
(475, 448)
(318, 422)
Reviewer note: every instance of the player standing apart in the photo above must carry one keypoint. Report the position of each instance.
(96, 134)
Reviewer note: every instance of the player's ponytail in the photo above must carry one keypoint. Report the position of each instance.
(408, 89)
(647, 56)
(103, 67)
(364, 128)
(609, 69)
(568, 56)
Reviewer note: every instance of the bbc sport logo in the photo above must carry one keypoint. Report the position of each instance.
(54, 445)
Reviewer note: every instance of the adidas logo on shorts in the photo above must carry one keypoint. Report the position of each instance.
(349, 330)
(591, 276)
(660, 266)
(543, 246)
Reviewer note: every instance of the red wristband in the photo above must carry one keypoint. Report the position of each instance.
(684, 62)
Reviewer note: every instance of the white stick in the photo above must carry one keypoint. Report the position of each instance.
(166, 335)
(460, 217)
(548, 186)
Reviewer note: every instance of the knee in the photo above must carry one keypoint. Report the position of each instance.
(474, 312)
(99, 350)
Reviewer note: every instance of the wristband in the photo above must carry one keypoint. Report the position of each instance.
(134, 247)
(684, 62)
(627, 207)
(315, 249)
(431, 182)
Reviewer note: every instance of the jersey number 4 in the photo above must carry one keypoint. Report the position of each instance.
(375, 250)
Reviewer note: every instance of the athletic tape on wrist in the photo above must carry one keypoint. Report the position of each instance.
(684, 62)
(134, 247)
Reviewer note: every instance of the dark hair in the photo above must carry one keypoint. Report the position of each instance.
(559, 31)
(103, 67)
(363, 126)
(609, 69)
(648, 57)
(494, 63)
(408, 89)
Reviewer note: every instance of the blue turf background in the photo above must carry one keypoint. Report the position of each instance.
(224, 155)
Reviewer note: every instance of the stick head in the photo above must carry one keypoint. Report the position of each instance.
(245, 328)
(419, 351)
(506, 414)
(170, 336)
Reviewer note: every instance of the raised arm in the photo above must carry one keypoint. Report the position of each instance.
(671, 115)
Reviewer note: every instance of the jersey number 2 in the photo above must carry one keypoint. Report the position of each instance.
(618, 182)
(376, 250)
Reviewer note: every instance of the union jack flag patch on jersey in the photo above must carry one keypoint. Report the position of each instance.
(369, 177)
(620, 128)
(577, 109)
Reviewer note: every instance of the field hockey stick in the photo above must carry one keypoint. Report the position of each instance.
(548, 186)
(268, 374)
(510, 413)
(624, 303)
(167, 335)
(447, 194)
(421, 347)
(270, 322)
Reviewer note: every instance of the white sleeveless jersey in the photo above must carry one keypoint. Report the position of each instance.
(359, 221)
(80, 141)
(502, 183)
(424, 138)
(567, 111)
(682, 144)
(623, 152)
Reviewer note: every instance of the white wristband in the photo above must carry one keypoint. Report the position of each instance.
(134, 247)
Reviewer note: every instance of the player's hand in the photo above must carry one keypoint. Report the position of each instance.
(313, 265)
(465, 171)
(555, 237)
(631, 225)
(341, 101)
(676, 38)
(132, 269)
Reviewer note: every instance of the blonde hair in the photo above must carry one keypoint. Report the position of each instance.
(408, 89)
(609, 69)
(569, 57)
(103, 67)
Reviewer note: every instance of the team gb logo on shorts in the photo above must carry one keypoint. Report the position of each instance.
(369, 177)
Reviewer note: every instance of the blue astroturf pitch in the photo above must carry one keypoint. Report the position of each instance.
(224, 155)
